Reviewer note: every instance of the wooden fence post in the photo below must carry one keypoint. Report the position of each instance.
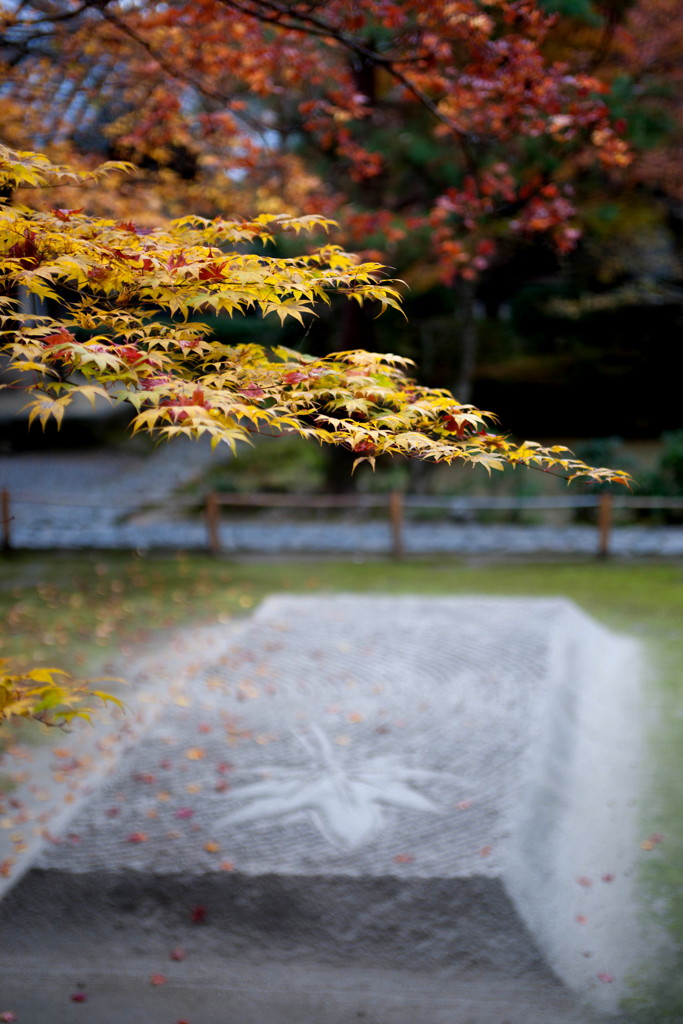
(212, 530)
(5, 519)
(396, 517)
(605, 509)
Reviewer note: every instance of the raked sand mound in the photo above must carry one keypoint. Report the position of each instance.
(446, 784)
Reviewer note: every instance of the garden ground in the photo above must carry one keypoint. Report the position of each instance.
(80, 609)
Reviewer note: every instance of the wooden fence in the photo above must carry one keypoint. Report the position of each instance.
(395, 505)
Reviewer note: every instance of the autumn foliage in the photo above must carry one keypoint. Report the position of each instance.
(124, 327)
(431, 129)
(46, 695)
(436, 126)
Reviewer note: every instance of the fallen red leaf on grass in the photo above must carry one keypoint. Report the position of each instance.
(198, 914)
(157, 979)
(177, 954)
(138, 837)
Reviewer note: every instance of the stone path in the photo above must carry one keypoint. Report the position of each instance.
(343, 808)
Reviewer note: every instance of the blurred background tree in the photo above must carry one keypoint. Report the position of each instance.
(514, 163)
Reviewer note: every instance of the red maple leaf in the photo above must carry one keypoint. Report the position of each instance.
(62, 337)
(212, 272)
(364, 446)
(138, 837)
(26, 250)
(66, 214)
(294, 377)
(252, 391)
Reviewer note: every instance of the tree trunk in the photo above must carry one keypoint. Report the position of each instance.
(469, 338)
(357, 331)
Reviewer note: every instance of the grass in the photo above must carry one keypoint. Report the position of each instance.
(76, 611)
(76, 606)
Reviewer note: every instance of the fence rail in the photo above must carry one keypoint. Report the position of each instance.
(395, 504)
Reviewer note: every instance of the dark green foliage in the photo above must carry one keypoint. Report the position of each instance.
(603, 449)
(581, 10)
(670, 475)
(667, 478)
(288, 464)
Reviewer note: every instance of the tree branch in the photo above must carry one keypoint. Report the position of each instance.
(310, 25)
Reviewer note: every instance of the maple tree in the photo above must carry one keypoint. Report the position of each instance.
(557, 328)
(433, 130)
(274, 88)
(123, 328)
(125, 331)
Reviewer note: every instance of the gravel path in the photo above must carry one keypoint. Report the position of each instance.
(103, 499)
